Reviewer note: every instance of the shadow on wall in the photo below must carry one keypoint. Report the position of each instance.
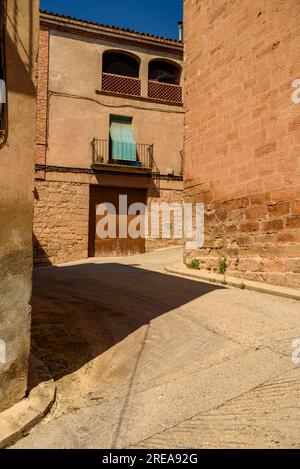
(21, 81)
(40, 257)
(19, 57)
(79, 312)
(20, 53)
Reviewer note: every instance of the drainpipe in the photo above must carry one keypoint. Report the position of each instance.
(180, 31)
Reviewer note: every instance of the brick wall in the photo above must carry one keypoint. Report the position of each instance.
(61, 220)
(242, 134)
(42, 96)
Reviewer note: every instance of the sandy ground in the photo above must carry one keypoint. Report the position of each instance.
(145, 359)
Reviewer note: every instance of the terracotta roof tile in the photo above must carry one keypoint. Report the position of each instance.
(116, 28)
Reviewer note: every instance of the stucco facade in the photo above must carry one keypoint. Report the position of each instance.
(74, 109)
(242, 149)
(16, 195)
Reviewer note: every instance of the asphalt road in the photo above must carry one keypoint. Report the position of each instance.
(145, 359)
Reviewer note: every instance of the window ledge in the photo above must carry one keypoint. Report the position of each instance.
(139, 98)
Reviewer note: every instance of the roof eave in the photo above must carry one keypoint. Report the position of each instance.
(75, 25)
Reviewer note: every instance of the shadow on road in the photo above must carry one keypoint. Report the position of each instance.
(78, 312)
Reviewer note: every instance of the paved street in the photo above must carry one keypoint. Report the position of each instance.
(145, 359)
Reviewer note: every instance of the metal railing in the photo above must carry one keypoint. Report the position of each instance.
(120, 84)
(102, 155)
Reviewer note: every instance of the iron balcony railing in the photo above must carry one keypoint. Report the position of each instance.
(102, 155)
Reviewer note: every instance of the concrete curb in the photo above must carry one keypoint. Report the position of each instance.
(26, 414)
(211, 277)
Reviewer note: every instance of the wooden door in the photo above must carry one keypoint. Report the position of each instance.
(117, 246)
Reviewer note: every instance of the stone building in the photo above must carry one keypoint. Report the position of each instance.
(110, 122)
(18, 53)
(242, 135)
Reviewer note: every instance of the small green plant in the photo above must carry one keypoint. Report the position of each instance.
(223, 266)
(194, 264)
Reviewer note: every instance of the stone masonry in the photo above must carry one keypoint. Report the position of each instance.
(242, 135)
(60, 222)
(165, 197)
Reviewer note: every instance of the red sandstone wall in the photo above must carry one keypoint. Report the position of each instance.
(242, 134)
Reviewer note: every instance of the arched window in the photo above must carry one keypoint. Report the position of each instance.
(119, 63)
(164, 72)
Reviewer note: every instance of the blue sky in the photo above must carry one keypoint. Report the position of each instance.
(158, 17)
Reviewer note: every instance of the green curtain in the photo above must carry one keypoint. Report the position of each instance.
(123, 141)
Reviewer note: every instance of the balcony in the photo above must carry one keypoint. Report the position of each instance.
(122, 85)
(102, 157)
(164, 92)
(127, 86)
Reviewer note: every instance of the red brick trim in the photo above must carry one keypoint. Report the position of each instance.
(42, 97)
